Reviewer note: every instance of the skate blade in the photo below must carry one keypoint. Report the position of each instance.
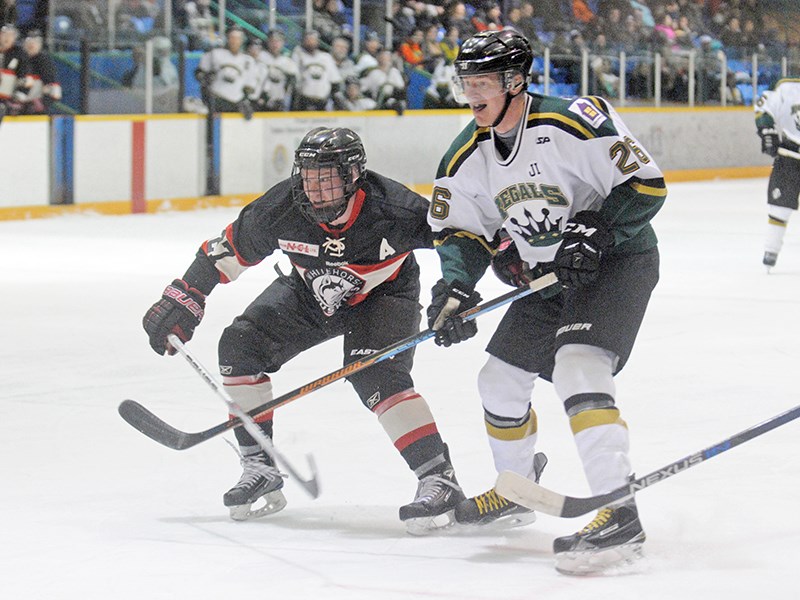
(428, 525)
(501, 524)
(273, 502)
(610, 561)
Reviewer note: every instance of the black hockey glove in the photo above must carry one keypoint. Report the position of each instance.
(584, 239)
(508, 265)
(769, 140)
(449, 300)
(179, 311)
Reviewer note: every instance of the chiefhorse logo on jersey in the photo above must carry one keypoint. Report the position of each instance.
(332, 287)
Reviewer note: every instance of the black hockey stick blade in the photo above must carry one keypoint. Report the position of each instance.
(153, 427)
(523, 491)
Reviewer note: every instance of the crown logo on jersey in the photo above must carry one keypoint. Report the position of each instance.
(545, 232)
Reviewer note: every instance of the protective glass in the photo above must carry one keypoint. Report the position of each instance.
(475, 89)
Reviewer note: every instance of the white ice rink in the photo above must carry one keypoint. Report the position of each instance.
(91, 509)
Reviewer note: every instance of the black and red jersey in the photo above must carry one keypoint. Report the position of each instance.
(340, 266)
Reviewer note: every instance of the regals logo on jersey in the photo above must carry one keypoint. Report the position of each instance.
(332, 287)
(588, 112)
(537, 232)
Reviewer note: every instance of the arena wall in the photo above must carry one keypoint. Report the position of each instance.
(137, 163)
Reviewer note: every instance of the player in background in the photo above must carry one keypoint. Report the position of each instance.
(575, 192)
(349, 234)
(778, 125)
(228, 76)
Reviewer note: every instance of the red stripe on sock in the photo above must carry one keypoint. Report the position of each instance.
(406, 440)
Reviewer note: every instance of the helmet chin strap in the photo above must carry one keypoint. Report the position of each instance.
(503, 112)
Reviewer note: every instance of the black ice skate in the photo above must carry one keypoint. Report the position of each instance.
(770, 258)
(613, 539)
(490, 508)
(260, 480)
(432, 508)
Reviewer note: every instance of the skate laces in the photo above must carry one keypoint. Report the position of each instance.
(490, 501)
(432, 485)
(603, 516)
(255, 466)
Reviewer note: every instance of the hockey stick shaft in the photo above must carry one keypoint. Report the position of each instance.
(523, 491)
(789, 153)
(163, 433)
(309, 485)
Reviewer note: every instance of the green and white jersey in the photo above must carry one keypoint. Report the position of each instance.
(568, 156)
(780, 108)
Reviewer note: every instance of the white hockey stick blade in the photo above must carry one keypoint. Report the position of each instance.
(789, 153)
(528, 493)
(531, 495)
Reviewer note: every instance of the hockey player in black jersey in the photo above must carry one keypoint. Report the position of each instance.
(349, 233)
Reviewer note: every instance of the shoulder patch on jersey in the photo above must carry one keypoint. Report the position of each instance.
(588, 111)
(299, 247)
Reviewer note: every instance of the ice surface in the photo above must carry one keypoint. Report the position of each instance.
(91, 509)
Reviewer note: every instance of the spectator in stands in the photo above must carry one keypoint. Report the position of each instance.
(281, 74)
(136, 16)
(635, 37)
(199, 23)
(228, 76)
(165, 74)
(13, 68)
(385, 84)
(368, 59)
(614, 27)
(328, 20)
(641, 10)
(41, 87)
(582, 13)
(403, 22)
(318, 78)
(431, 47)
(605, 81)
(488, 18)
(411, 49)
(450, 44)
(340, 51)
(439, 93)
(353, 98)
(8, 12)
(86, 16)
(521, 18)
(456, 16)
(733, 38)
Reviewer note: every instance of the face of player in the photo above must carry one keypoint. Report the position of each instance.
(325, 190)
(235, 40)
(485, 95)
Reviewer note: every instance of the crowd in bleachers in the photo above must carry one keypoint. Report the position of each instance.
(426, 35)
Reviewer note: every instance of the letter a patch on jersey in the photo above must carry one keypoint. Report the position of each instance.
(386, 249)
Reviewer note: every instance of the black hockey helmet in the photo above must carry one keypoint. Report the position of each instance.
(507, 52)
(322, 149)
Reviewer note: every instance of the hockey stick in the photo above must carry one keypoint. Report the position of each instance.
(789, 153)
(523, 491)
(309, 485)
(153, 427)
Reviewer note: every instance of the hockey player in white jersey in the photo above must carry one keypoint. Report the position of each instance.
(228, 76)
(278, 74)
(778, 125)
(575, 192)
